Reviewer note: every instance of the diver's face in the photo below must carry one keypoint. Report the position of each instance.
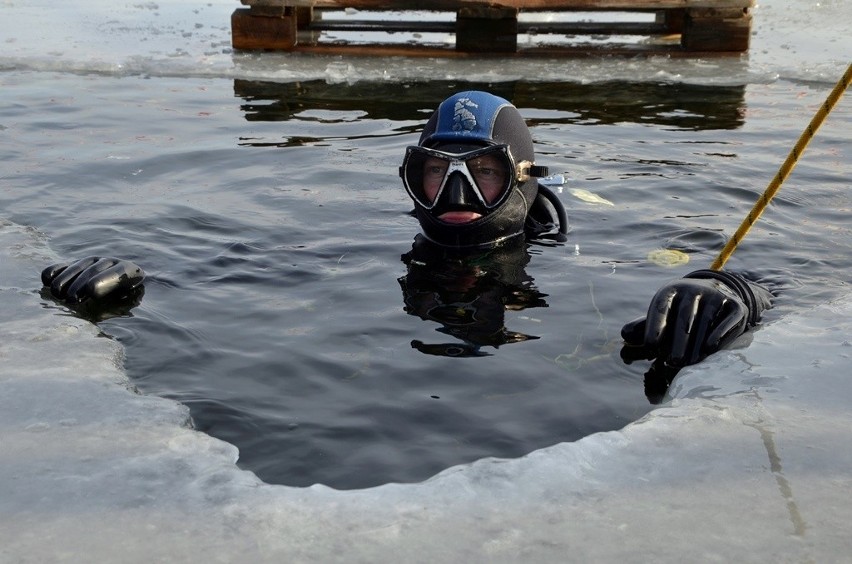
(488, 171)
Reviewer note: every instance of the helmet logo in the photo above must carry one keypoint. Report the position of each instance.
(463, 118)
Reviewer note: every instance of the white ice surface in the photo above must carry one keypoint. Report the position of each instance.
(750, 462)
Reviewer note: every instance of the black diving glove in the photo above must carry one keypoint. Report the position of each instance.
(693, 317)
(95, 282)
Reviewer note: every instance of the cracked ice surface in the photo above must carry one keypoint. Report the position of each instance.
(749, 462)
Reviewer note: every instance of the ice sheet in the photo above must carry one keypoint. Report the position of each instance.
(749, 462)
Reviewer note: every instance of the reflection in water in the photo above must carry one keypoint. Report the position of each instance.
(686, 106)
(100, 310)
(468, 294)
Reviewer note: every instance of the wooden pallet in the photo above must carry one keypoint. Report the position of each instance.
(492, 27)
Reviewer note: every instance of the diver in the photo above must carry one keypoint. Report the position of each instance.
(473, 176)
(476, 195)
(474, 183)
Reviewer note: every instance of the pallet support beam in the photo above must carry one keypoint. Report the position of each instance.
(254, 31)
(487, 30)
(710, 29)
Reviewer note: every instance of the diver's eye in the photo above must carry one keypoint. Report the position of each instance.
(485, 172)
(487, 169)
(435, 167)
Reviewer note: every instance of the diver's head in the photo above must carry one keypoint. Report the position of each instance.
(472, 176)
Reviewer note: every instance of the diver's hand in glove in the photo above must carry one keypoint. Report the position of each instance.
(694, 317)
(94, 281)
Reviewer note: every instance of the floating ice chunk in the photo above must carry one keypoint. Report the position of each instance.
(668, 257)
(589, 197)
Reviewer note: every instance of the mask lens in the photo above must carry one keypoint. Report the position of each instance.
(489, 171)
(492, 176)
(424, 174)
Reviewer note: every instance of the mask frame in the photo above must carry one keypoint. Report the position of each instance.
(412, 174)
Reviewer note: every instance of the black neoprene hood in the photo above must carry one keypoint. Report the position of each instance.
(480, 119)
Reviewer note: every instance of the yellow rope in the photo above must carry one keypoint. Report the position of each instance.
(784, 171)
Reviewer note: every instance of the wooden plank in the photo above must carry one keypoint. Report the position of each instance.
(545, 51)
(566, 28)
(533, 5)
(379, 26)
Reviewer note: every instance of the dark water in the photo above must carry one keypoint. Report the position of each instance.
(272, 225)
